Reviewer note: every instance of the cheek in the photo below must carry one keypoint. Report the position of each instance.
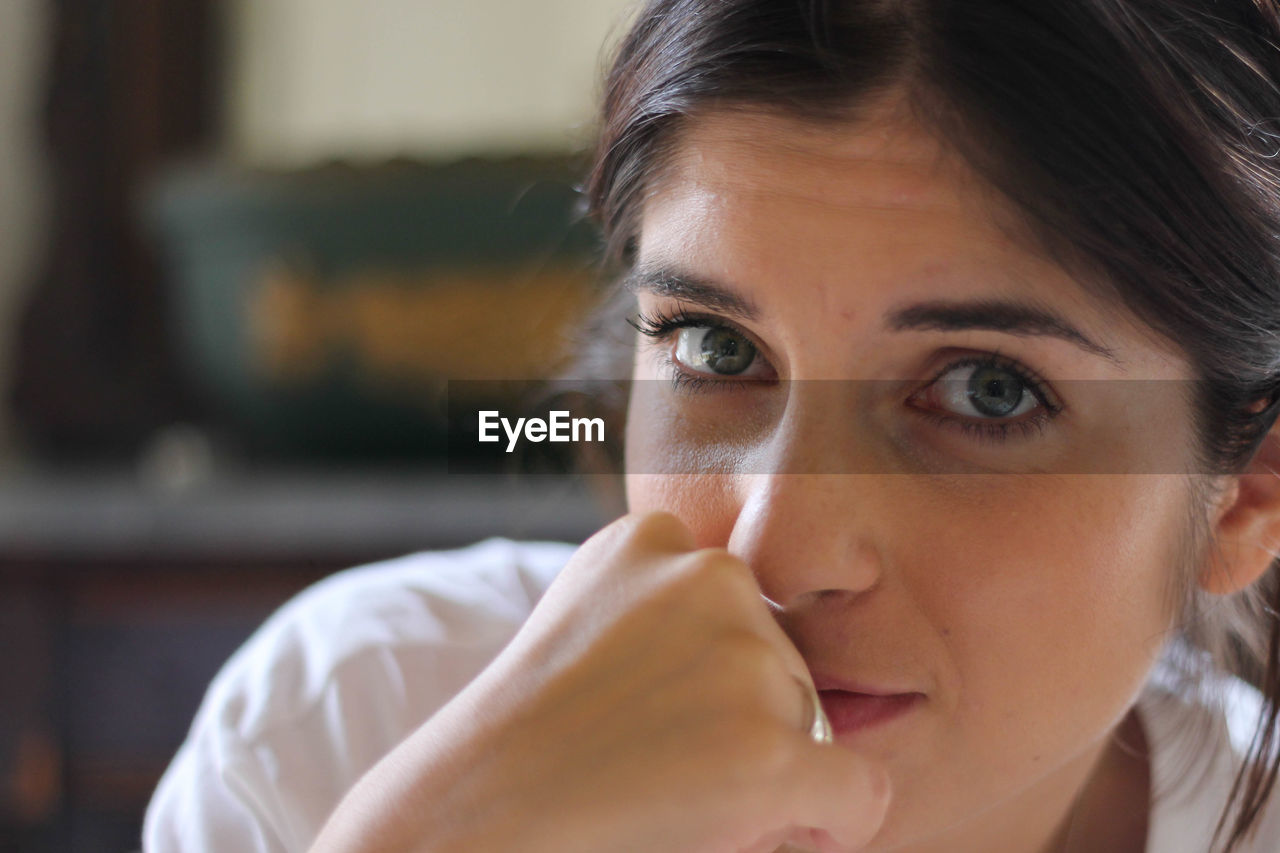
(705, 502)
(1067, 546)
(1052, 593)
(702, 501)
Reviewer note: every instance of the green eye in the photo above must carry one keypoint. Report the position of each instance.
(987, 391)
(995, 392)
(714, 349)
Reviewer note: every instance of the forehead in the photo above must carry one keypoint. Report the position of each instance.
(883, 176)
(885, 159)
(875, 213)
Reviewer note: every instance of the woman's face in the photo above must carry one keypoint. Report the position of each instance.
(926, 442)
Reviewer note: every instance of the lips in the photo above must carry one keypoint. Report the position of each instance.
(851, 711)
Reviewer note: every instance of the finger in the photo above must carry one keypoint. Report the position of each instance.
(774, 842)
(657, 530)
(833, 790)
(728, 580)
(595, 570)
(758, 610)
(733, 594)
(769, 628)
(642, 534)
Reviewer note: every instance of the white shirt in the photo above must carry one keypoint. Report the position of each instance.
(342, 673)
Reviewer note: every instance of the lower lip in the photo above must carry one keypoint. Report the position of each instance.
(851, 712)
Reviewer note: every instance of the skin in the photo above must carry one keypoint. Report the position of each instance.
(784, 530)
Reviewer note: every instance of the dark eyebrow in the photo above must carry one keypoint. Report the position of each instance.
(676, 285)
(994, 315)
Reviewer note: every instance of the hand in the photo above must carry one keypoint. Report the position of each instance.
(649, 703)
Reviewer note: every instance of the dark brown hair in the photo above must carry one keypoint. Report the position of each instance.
(1139, 138)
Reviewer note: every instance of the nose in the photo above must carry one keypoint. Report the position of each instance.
(808, 536)
(800, 537)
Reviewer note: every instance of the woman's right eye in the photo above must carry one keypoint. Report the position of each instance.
(702, 349)
(714, 350)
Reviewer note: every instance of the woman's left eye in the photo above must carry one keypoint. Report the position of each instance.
(986, 390)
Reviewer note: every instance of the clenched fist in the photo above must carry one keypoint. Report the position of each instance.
(649, 703)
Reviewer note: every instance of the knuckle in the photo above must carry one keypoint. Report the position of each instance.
(742, 652)
(661, 528)
(719, 573)
(755, 738)
(747, 668)
(772, 748)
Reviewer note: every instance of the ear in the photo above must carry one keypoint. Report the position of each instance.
(1247, 530)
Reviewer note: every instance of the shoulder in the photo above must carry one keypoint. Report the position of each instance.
(336, 678)
(462, 601)
(1199, 731)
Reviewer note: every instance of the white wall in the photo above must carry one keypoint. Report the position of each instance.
(370, 79)
(23, 180)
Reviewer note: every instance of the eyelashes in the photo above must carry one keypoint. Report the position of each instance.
(661, 326)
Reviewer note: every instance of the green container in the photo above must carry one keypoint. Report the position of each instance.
(220, 231)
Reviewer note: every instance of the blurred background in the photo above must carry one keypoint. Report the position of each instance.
(244, 246)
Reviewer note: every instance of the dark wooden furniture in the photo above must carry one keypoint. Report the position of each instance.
(118, 603)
